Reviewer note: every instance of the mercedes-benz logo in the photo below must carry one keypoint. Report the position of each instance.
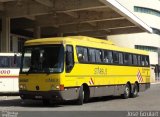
(37, 87)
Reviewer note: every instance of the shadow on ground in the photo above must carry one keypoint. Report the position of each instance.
(37, 103)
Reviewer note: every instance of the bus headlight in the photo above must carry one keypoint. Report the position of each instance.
(22, 87)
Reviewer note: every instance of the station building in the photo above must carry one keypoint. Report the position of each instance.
(149, 12)
(26, 19)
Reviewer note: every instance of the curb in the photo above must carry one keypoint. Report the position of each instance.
(155, 83)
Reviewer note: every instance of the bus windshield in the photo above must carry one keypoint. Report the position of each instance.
(42, 59)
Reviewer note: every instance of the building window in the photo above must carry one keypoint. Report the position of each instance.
(146, 48)
(146, 10)
(156, 31)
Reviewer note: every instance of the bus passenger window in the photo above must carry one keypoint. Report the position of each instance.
(147, 61)
(108, 57)
(98, 56)
(139, 60)
(120, 58)
(92, 56)
(135, 61)
(115, 58)
(127, 59)
(143, 60)
(82, 54)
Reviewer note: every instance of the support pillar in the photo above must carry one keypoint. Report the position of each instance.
(5, 37)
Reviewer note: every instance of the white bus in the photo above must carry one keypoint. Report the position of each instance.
(9, 73)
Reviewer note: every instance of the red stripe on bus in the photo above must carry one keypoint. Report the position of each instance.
(9, 76)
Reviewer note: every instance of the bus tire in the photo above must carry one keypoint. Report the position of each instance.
(135, 91)
(127, 91)
(81, 96)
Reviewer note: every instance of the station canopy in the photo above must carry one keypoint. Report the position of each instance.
(95, 18)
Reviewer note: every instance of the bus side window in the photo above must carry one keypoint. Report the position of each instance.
(139, 60)
(115, 58)
(127, 59)
(98, 56)
(147, 61)
(108, 57)
(120, 58)
(82, 54)
(135, 61)
(69, 58)
(143, 60)
(92, 55)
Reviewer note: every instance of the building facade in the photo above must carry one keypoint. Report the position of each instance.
(149, 12)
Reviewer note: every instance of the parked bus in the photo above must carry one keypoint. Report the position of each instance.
(79, 68)
(9, 72)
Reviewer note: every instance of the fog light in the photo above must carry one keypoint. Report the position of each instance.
(22, 87)
(52, 87)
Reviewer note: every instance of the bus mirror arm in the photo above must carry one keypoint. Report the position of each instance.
(15, 58)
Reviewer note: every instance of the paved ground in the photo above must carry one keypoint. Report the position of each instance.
(146, 101)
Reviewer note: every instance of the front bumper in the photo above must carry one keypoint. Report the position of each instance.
(40, 95)
(68, 94)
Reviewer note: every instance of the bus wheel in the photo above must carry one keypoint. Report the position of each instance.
(46, 102)
(135, 90)
(81, 96)
(127, 91)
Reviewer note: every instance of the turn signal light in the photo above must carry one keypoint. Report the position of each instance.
(61, 87)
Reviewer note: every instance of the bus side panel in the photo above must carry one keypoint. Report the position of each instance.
(15, 80)
(6, 85)
(104, 80)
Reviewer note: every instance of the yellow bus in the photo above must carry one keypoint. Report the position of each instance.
(79, 68)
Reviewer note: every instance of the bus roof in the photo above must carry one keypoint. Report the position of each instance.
(83, 41)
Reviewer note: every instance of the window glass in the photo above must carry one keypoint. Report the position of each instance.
(135, 61)
(145, 60)
(82, 54)
(139, 60)
(127, 59)
(98, 56)
(4, 62)
(8, 62)
(115, 57)
(43, 59)
(108, 57)
(120, 58)
(92, 55)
